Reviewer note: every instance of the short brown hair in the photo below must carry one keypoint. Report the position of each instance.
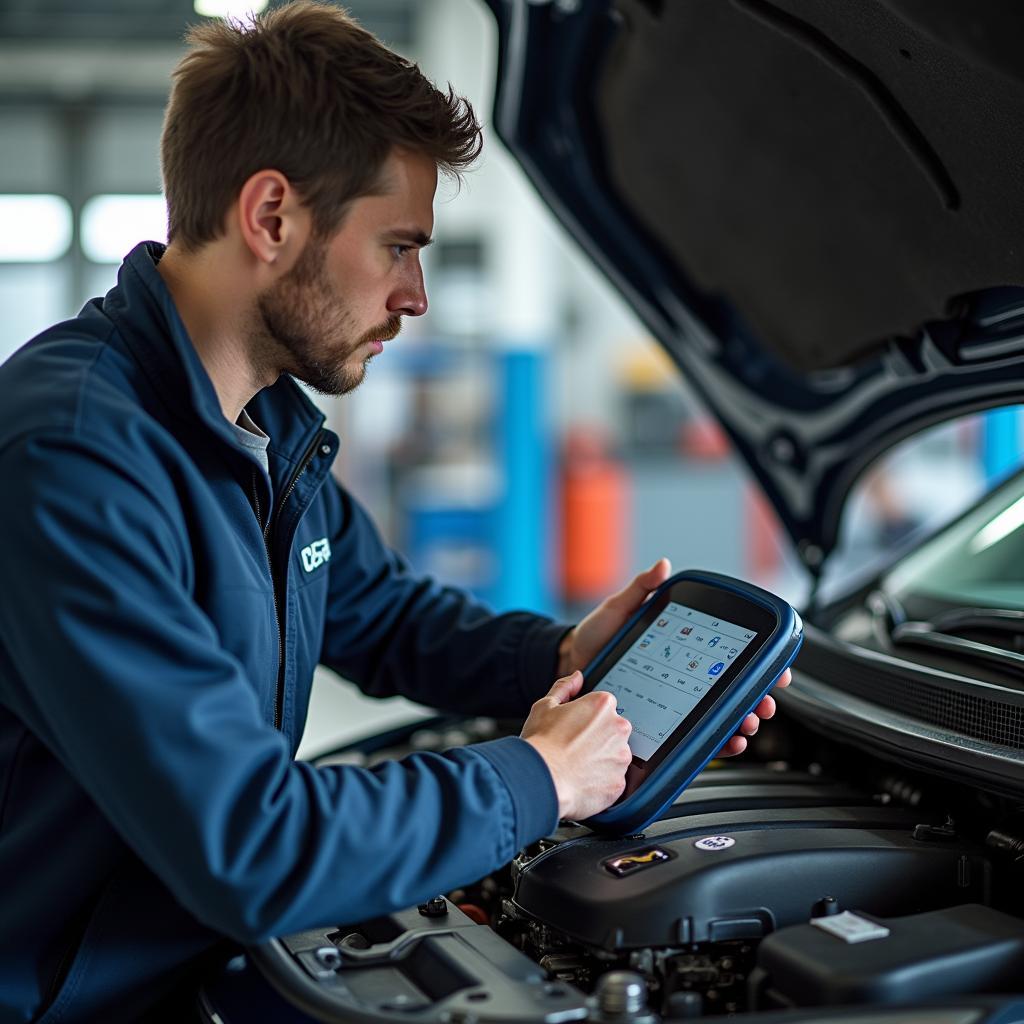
(307, 91)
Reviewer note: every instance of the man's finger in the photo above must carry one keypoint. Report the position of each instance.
(749, 725)
(566, 688)
(635, 593)
(766, 708)
(735, 746)
(784, 680)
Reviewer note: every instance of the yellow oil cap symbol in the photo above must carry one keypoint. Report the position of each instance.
(626, 865)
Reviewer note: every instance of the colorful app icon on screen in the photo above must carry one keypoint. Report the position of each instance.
(716, 668)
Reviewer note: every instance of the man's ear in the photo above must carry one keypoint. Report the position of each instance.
(273, 223)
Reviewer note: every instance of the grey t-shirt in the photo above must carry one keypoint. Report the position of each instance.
(251, 437)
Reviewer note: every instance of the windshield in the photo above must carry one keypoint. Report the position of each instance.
(976, 562)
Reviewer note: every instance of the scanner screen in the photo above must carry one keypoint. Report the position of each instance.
(669, 668)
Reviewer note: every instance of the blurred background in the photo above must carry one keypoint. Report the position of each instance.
(525, 439)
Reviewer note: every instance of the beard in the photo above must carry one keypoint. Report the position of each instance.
(302, 319)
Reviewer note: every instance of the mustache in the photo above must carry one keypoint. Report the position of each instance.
(385, 332)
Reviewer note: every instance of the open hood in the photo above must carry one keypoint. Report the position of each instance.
(817, 206)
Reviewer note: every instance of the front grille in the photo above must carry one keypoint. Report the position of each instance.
(947, 705)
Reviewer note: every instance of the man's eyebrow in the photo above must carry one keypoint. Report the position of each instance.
(418, 238)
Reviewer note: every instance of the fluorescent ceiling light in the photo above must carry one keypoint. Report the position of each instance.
(228, 8)
(34, 229)
(113, 225)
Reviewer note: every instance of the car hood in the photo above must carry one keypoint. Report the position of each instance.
(817, 208)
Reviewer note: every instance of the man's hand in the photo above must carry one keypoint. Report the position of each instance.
(585, 745)
(581, 645)
(750, 724)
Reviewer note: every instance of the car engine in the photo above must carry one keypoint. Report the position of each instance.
(744, 854)
(767, 886)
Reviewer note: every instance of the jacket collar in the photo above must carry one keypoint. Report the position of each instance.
(144, 312)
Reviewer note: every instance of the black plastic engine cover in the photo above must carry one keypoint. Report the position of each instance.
(944, 952)
(766, 870)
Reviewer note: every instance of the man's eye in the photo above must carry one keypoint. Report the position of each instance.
(398, 251)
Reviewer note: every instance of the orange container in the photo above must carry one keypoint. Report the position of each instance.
(595, 519)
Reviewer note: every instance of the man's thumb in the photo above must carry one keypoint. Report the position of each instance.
(566, 688)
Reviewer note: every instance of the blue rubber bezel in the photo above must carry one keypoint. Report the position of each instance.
(741, 696)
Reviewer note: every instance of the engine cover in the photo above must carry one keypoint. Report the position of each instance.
(741, 874)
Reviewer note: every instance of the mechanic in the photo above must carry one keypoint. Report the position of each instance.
(176, 559)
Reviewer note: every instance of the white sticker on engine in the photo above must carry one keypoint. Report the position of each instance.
(851, 927)
(715, 843)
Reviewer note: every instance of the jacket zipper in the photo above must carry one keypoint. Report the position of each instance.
(265, 531)
(307, 457)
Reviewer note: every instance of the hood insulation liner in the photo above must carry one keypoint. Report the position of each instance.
(841, 172)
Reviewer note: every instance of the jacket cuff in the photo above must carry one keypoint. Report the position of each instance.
(538, 658)
(529, 784)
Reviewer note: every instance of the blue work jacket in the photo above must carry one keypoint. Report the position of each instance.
(162, 608)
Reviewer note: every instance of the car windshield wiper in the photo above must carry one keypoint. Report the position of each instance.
(944, 631)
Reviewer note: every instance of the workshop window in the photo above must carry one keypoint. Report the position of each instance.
(34, 228)
(113, 224)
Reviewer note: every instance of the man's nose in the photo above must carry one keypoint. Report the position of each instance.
(410, 299)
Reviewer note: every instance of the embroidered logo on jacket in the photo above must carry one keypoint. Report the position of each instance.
(315, 554)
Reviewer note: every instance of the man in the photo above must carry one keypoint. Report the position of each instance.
(177, 559)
